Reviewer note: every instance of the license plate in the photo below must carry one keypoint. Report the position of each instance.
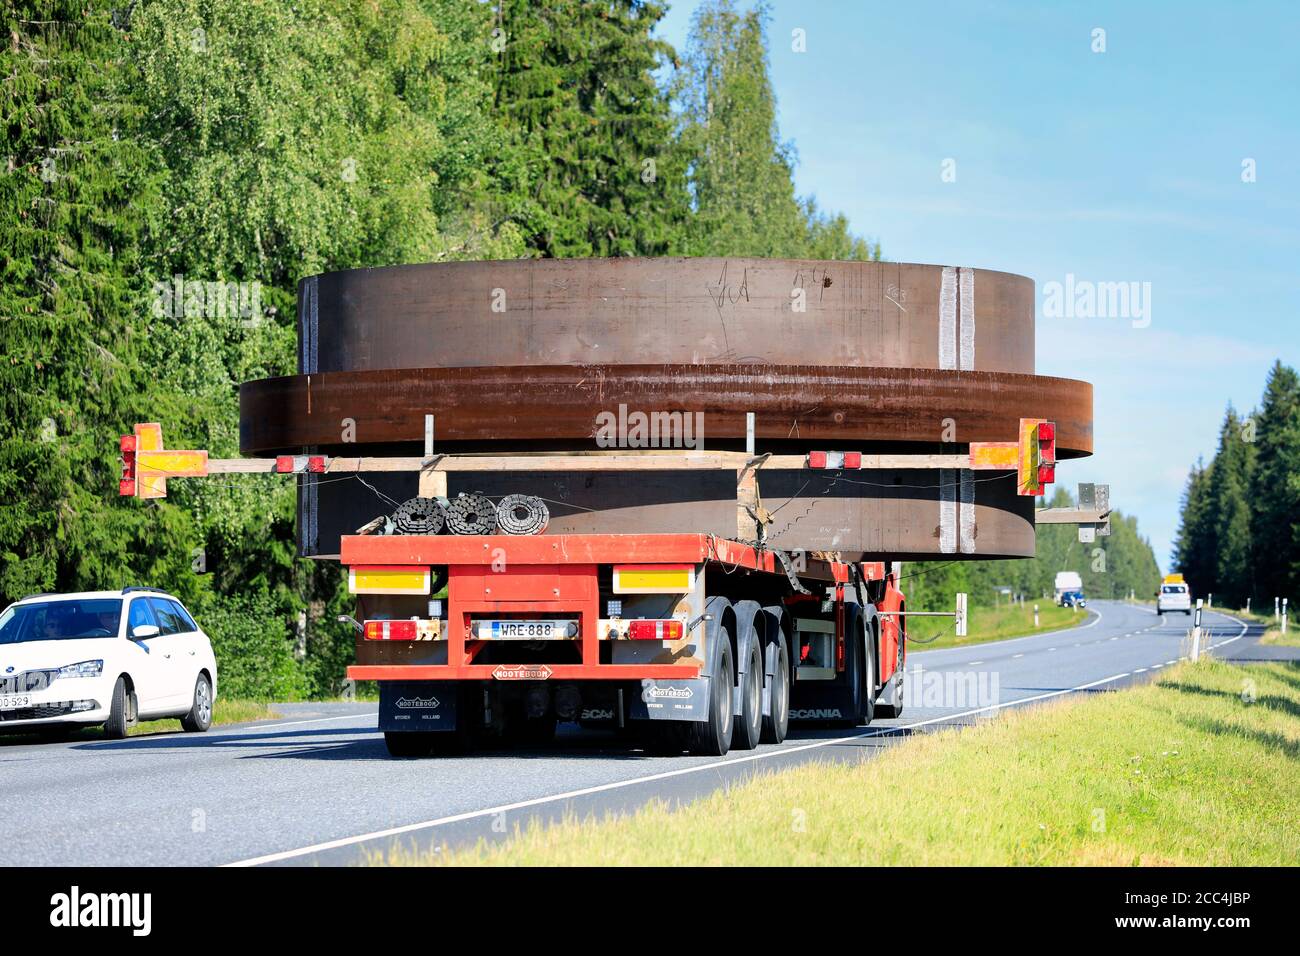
(526, 630)
(14, 703)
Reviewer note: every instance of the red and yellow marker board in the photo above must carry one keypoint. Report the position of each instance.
(1032, 457)
(146, 464)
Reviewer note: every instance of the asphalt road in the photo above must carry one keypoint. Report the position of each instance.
(317, 786)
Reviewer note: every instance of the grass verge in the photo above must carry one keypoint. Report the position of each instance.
(1275, 637)
(986, 624)
(1198, 769)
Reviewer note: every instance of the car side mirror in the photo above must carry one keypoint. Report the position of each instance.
(142, 631)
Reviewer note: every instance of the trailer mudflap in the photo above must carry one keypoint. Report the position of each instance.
(675, 699)
(417, 705)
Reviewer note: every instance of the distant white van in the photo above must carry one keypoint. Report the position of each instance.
(1174, 597)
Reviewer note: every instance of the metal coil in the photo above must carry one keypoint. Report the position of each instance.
(523, 514)
(419, 516)
(472, 514)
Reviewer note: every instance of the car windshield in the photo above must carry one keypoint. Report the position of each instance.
(60, 620)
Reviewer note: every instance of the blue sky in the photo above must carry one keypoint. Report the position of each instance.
(1117, 166)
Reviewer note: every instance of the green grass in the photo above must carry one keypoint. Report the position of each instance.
(233, 711)
(1275, 637)
(1199, 769)
(225, 711)
(994, 624)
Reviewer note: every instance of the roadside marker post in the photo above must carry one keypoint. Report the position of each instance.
(1284, 615)
(1196, 633)
(1035, 615)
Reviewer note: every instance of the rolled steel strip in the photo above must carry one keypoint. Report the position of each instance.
(419, 516)
(522, 514)
(472, 513)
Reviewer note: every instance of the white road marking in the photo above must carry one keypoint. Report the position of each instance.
(1014, 656)
(974, 663)
(276, 725)
(666, 775)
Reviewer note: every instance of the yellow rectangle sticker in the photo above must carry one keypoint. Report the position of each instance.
(669, 579)
(376, 579)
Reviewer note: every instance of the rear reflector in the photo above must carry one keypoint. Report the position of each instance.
(835, 459)
(655, 630)
(653, 578)
(388, 579)
(391, 630)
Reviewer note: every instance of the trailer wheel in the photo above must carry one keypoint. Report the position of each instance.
(408, 743)
(776, 723)
(712, 737)
(749, 728)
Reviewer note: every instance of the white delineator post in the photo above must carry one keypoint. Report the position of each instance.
(1035, 615)
(1196, 633)
(1284, 615)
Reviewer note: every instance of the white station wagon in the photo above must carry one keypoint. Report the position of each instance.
(104, 657)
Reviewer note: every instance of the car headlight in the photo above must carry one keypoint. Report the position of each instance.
(83, 669)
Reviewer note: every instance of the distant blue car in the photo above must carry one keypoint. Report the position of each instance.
(1073, 599)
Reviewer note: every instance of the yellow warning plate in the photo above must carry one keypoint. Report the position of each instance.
(653, 578)
(388, 579)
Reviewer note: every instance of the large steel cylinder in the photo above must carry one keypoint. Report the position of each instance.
(535, 355)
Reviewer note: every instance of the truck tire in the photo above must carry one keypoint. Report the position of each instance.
(119, 712)
(748, 729)
(893, 707)
(867, 706)
(409, 743)
(199, 718)
(776, 723)
(712, 736)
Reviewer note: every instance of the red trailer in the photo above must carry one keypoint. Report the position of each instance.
(703, 642)
(707, 643)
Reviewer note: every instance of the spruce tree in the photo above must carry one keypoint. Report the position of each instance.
(1229, 511)
(1275, 489)
(591, 167)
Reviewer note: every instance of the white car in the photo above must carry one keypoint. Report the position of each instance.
(1174, 597)
(104, 657)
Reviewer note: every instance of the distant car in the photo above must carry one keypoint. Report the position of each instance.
(1073, 599)
(104, 657)
(1174, 597)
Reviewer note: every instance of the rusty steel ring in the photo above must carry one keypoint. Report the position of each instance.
(871, 356)
(559, 406)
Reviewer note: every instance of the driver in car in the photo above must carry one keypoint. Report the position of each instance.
(53, 627)
(108, 620)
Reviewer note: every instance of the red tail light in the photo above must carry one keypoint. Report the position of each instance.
(853, 459)
(655, 630)
(391, 631)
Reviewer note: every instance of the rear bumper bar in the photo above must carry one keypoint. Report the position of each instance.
(382, 672)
